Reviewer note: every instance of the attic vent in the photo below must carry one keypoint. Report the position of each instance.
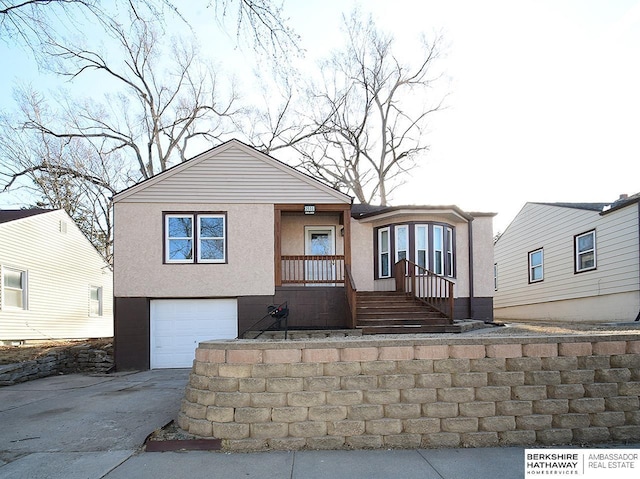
(63, 227)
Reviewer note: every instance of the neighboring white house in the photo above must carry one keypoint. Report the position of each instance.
(55, 285)
(570, 261)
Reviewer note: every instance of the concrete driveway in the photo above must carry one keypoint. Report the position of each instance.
(81, 425)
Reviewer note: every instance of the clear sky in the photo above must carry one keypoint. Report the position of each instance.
(544, 104)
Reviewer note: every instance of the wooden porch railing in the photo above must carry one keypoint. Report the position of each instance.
(352, 297)
(425, 285)
(309, 269)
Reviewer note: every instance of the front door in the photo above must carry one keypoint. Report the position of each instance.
(320, 241)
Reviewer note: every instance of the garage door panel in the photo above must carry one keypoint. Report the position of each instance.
(178, 325)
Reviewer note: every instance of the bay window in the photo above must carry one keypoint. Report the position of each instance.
(429, 245)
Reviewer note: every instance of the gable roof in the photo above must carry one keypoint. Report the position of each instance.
(577, 206)
(12, 215)
(232, 173)
(602, 208)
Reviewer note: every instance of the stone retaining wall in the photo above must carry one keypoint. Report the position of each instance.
(80, 358)
(368, 393)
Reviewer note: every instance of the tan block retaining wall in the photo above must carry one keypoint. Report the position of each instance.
(410, 393)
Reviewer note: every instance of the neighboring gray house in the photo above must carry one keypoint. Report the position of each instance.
(202, 248)
(570, 261)
(54, 284)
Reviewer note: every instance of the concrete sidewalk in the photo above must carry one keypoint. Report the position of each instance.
(406, 464)
(93, 427)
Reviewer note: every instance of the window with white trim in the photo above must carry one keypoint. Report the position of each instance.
(384, 257)
(585, 248)
(195, 238)
(438, 249)
(95, 300)
(211, 239)
(402, 242)
(14, 289)
(536, 266)
(449, 258)
(422, 246)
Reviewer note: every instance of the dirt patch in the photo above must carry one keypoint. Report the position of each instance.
(27, 352)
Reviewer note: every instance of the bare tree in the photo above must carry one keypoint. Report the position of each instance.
(163, 99)
(33, 23)
(61, 173)
(371, 113)
(261, 23)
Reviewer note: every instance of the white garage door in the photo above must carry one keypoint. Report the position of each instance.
(178, 325)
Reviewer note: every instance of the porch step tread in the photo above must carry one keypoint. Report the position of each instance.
(392, 312)
(401, 322)
(432, 328)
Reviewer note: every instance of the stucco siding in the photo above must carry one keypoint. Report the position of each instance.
(232, 173)
(61, 266)
(553, 228)
(293, 231)
(483, 256)
(138, 251)
(362, 255)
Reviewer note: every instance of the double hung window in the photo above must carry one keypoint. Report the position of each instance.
(449, 259)
(438, 249)
(195, 238)
(585, 248)
(14, 289)
(422, 246)
(95, 301)
(536, 266)
(384, 257)
(402, 242)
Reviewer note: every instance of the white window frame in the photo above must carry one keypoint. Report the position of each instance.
(168, 238)
(579, 253)
(438, 232)
(93, 302)
(532, 266)
(448, 263)
(24, 280)
(196, 238)
(222, 238)
(426, 246)
(399, 228)
(382, 253)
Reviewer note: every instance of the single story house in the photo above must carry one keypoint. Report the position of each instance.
(55, 284)
(570, 261)
(202, 249)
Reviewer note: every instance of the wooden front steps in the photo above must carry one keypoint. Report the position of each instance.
(390, 312)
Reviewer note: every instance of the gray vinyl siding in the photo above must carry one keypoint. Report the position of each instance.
(553, 228)
(232, 173)
(61, 268)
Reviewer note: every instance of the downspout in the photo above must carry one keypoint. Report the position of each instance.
(471, 299)
(638, 204)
